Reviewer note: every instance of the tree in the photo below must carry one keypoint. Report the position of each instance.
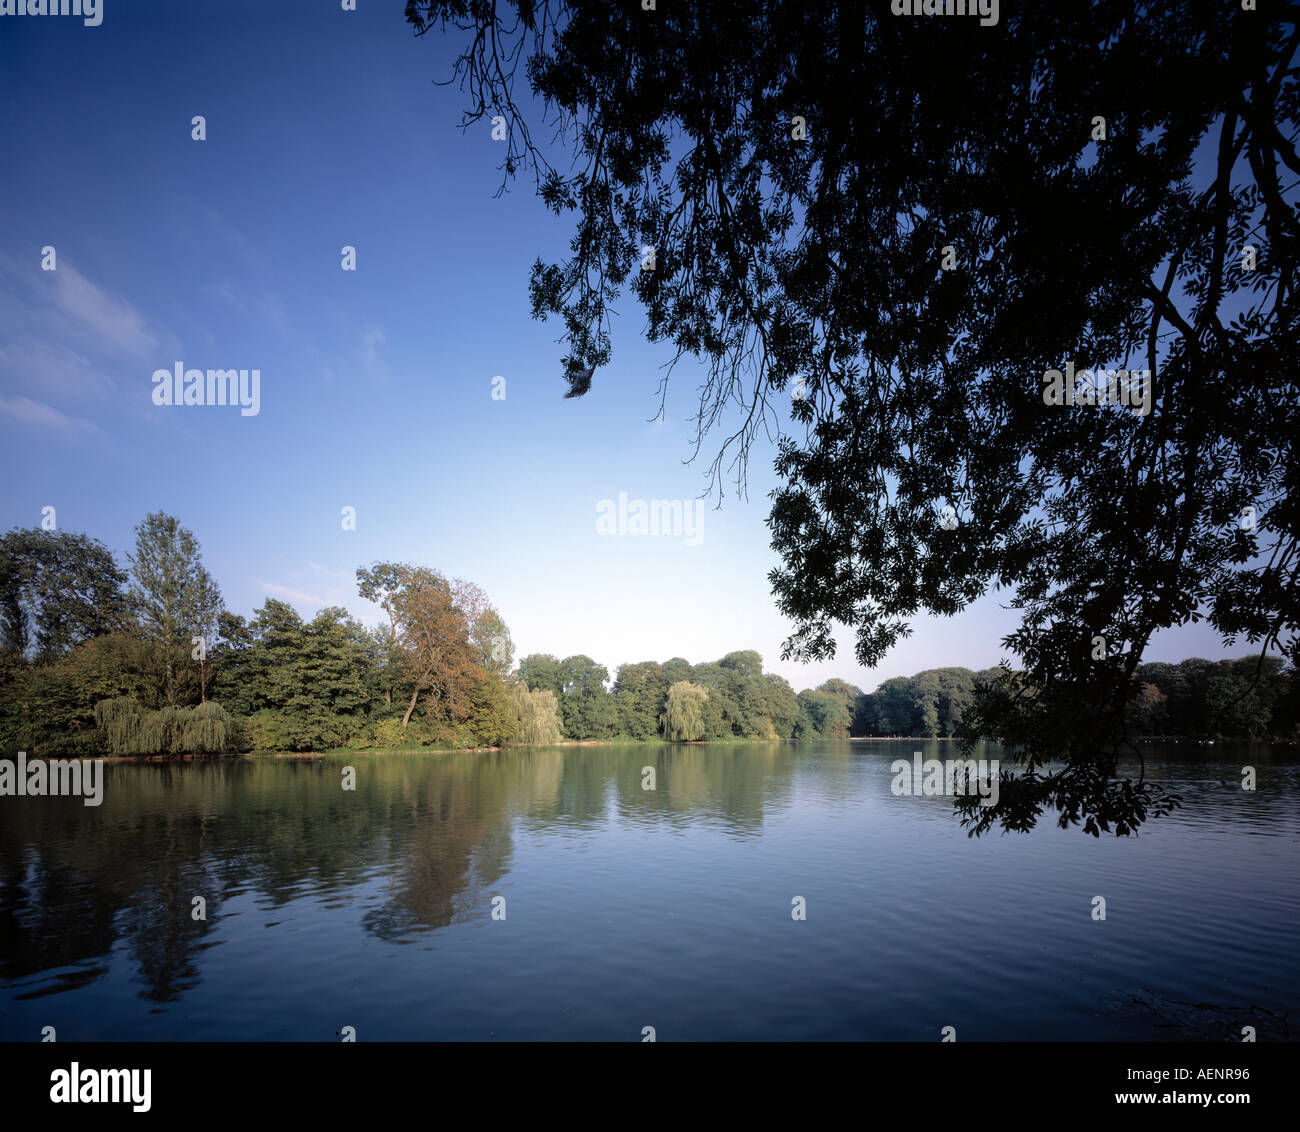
(541, 671)
(208, 608)
(926, 693)
(496, 651)
(826, 715)
(956, 694)
(845, 692)
(173, 594)
(1146, 710)
(128, 730)
(746, 664)
(306, 684)
(916, 230)
(380, 583)
(537, 716)
(232, 682)
(683, 717)
(56, 590)
(1239, 701)
(434, 619)
(585, 705)
(895, 707)
(491, 720)
(327, 693)
(722, 713)
(639, 694)
(782, 705)
(674, 670)
(49, 709)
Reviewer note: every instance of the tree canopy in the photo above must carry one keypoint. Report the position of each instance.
(911, 224)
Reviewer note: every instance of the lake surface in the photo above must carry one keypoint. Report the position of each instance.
(627, 908)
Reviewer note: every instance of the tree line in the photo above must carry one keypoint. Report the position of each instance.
(95, 659)
(1195, 698)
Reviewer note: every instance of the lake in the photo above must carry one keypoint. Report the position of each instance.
(623, 908)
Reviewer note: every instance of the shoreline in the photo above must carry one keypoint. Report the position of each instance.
(339, 752)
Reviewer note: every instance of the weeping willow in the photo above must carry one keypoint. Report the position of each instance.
(682, 720)
(206, 730)
(120, 721)
(538, 714)
(130, 730)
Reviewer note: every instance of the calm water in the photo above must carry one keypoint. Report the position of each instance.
(628, 908)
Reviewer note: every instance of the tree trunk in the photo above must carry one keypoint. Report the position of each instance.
(410, 708)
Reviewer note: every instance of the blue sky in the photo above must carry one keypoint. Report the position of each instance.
(325, 129)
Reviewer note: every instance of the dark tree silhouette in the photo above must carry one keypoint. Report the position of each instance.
(908, 221)
(57, 589)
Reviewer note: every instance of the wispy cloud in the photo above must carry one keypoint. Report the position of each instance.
(107, 317)
(40, 415)
(372, 341)
(54, 369)
(63, 336)
(289, 594)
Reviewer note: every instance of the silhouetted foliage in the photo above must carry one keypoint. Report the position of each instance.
(956, 213)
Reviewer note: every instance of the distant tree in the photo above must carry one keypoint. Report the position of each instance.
(434, 621)
(307, 681)
(129, 729)
(1285, 723)
(491, 720)
(926, 694)
(1146, 710)
(1239, 700)
(805, 727)
(174, 596)
(49, 709)
(639, 694)
(747, 664)
(956, 694)
(827, 715)
(380, 583)
(723, 715)
(676, 670)
(586, 706)
(864, 720)
(782, 705)
(537, 716)
(56, 590)
(496, 651)
(327, 694)
(541, 671)
(844, 691)
(683, 716)
(896, 708)
(277, 632)
(208, 608)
